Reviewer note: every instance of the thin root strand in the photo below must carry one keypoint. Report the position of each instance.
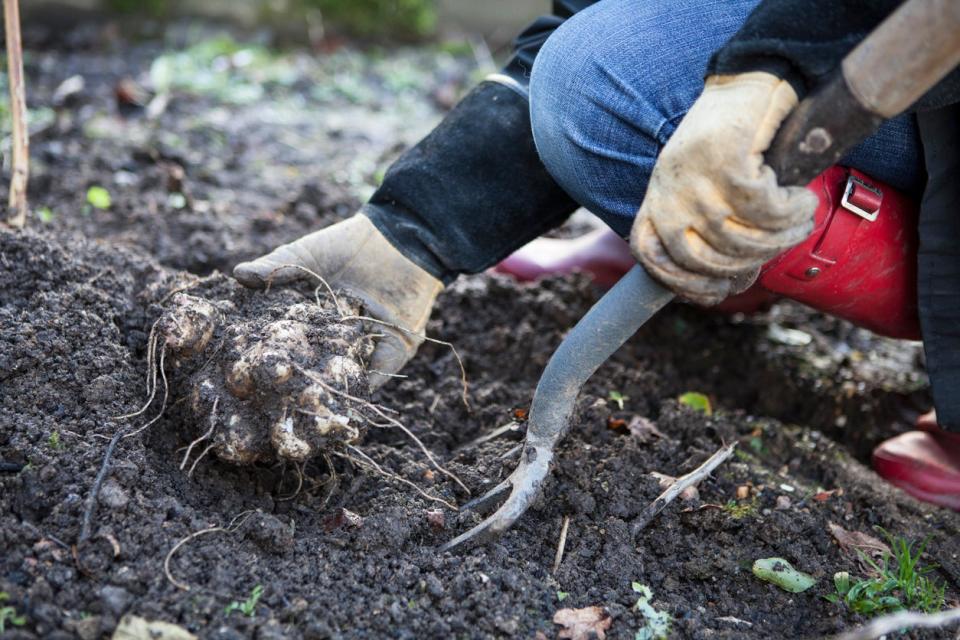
(230, 528)
(393, 421)
(367, 461)
(213, 425)
(423, 336)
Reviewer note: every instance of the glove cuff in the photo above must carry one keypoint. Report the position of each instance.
(471, 192)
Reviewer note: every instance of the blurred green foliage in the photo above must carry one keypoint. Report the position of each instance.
(405, 19)
(222, 67)
(372, 18)
(154, 8)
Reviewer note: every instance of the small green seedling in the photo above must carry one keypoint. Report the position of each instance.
(249, 606)
(9, 615)
(739, 511)
(657, 625)
(98, 197)
(618, 398)
(781, 573)
(697, 401)
(54, 441)
(562, 595)
(899, 582)
(46, 215)
(866, 597)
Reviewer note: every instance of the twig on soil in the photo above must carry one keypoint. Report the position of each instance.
(213, 425)
(316, 292)
(456, 354)
(901, 620)
(230, 528)
(371, 463)
(387, 375)
(393, 421)
(562, 544)
(506, 455)
(36, 530)
(511, 427)
(689, 480)
(20, 163)
(95, 489)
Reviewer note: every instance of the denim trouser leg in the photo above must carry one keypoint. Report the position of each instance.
(609, 87)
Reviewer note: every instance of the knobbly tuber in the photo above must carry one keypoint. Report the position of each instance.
(263, 377)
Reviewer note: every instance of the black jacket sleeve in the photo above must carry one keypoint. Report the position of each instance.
(802, 41)
(474, 190)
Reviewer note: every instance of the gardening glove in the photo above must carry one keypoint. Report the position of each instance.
(713, 213)
(355, 256)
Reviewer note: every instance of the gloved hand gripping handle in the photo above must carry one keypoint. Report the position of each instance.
(827, 124)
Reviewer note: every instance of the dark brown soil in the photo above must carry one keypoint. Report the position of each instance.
(74, 321)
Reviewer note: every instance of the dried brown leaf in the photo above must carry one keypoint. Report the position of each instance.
(583, 624)
(852, 541)
(342, 518)
(823, 496)
(436, 519)
(644, 429)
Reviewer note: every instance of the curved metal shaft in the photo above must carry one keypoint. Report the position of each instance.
(608, 324)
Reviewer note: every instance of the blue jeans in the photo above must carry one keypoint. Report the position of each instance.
(610, 85)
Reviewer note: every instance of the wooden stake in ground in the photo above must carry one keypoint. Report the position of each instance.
(20, 164)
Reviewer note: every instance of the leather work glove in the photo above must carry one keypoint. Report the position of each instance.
(713, 213)
(355, 256)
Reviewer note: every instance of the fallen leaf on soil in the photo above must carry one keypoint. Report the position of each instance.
(853, 541)
(643, 428)
(583, 624)
(823, 496)
(616, 424)
(697, 401)
(436, 518)
(341, 518)
(690, 493)
(137, 628)
(781, 573)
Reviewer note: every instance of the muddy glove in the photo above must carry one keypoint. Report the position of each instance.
(354, 255)
(714, 213)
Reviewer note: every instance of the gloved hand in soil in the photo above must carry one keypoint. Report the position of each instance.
(353, 255)
(713, 213)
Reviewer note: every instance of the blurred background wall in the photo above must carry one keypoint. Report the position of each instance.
(497, 21)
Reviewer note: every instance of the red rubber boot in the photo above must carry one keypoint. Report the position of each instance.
(924, 463)
(602, 254)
